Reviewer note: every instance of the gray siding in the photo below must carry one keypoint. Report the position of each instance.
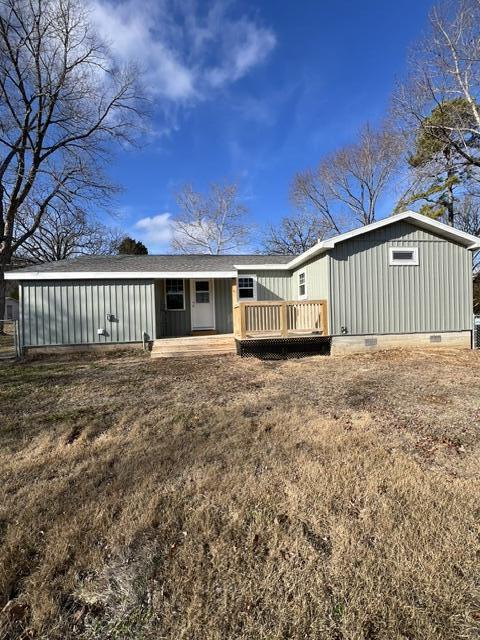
(370, 296)
(272, 285)
(316, 277)
(71, 312)
(223, 305)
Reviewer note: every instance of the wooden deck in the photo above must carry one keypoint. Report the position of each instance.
(252, 321)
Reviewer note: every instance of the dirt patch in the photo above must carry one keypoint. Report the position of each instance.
(227, 498)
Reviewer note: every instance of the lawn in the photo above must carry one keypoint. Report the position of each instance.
(227, 498)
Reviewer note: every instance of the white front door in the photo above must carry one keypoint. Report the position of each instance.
(202, 304)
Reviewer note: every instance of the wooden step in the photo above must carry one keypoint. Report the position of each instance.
(193, 346)
(185, 345)
(203, 332)
(191, 354)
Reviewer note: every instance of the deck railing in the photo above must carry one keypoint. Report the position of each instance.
(280, 318)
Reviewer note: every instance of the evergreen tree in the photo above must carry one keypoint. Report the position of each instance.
(129, 246)
(439, 169)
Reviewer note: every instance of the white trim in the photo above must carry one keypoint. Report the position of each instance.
(255, 283)
(304, 274)
(165, 295)
(115, 275)
(403, 263)
(212, 298)
(262, 267)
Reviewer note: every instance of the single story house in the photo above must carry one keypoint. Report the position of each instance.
(405, 279)
(11, 309)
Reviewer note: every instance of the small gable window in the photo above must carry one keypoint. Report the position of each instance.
(247, 288)
(403, 256)
(174, 295)
(302, 285)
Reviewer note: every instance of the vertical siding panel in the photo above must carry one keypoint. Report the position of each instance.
(154, 314)
(24, 290)
(120, 311)
(26, 313)
(144, 309)
(126, 312)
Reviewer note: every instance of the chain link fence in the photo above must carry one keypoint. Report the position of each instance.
(476, 332)
(9, 339)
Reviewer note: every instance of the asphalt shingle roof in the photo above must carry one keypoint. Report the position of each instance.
(128, 263)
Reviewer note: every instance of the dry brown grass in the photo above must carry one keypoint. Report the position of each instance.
(227, 498)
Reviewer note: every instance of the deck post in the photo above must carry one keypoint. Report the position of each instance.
(233, 289)
(283, 320)
(324, 317)
(243, 321)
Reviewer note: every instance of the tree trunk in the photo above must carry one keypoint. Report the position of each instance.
(5, 259)
(450, 205)
(450, 198)
(3, 293)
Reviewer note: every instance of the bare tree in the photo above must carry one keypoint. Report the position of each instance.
(310, 195)
(294, 235)
(444, 79)
(64, 234)
(62, 102)
(349, 184)
(214, 224)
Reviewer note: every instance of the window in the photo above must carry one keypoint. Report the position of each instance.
(174, 295)
(302, 285)
(247, 287)
(403, 256)
(202, 291)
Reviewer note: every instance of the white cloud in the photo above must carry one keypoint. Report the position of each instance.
(247, 46)
(155, 231)
(184, 51)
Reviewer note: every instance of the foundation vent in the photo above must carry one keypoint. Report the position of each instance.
(435, 338)
(370, 342)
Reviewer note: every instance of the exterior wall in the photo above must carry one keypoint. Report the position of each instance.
(70, 312)
(316, 277)
(171, 324)
(368, 296)
(272, 285)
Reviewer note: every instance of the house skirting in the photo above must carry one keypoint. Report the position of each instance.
(357, 344)
(81, 348)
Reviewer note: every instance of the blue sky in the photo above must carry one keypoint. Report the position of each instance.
(250, 92)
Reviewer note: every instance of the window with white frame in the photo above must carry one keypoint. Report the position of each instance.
(247, 287)
(174, 294)
(302, 285)
(403, 256)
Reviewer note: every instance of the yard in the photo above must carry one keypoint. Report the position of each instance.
(226, 498)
